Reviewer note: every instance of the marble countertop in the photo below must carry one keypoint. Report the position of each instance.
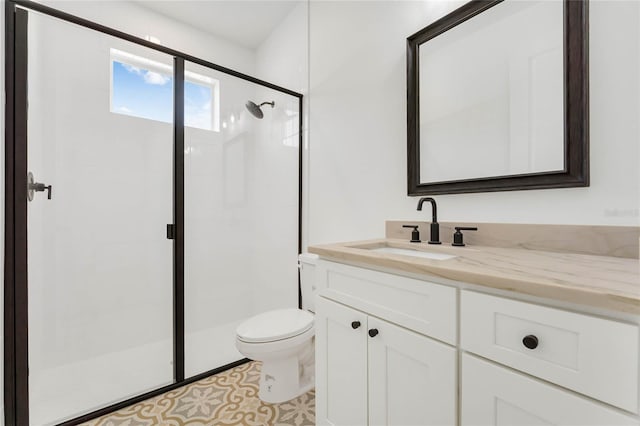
(605, 282)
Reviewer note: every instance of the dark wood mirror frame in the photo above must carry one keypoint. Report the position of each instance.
(576, 108)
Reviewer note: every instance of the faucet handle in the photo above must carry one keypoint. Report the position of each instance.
(458, 238)
(415, 234)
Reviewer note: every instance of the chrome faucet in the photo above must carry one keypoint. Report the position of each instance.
(435, 227)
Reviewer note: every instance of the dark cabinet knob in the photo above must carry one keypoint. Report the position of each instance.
(373, 332)
(355, 324)
(530, 341)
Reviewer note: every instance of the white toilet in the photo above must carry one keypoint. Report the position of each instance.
(283, 340)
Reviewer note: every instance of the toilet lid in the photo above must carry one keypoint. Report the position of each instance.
(275, 325)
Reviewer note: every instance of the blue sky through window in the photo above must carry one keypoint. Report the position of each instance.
(149, 94)
(197, 105)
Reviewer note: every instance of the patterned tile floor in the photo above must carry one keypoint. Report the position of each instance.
(228, 398)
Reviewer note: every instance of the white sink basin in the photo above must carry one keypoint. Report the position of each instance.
(414, 253)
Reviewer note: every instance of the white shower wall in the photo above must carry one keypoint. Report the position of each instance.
(274, 204)
(241, 207)
(241, 226)
(251, 250)
(100, 267)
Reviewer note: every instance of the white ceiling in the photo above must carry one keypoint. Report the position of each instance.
(244, 22)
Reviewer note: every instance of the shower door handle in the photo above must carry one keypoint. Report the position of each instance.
(33, 187)
(171, 231)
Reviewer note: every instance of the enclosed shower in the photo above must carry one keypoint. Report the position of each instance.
(173, 215)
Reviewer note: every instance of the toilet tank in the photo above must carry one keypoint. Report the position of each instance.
(307, 264)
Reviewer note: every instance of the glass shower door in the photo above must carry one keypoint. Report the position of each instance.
(100, 266)
(241, 210)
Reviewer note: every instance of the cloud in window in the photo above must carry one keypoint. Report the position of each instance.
(144, 89)
(150, 77)
(131, 68)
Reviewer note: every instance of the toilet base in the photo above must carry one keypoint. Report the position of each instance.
(281, 380)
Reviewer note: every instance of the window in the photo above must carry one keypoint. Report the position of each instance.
(143, 88)
(201, 102)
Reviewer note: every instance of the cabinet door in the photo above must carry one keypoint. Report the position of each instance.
(493, 395)
(412, 378)
(341, 365)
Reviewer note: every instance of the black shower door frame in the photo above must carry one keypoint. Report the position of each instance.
(16, 329)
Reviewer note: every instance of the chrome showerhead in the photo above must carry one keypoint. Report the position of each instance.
(256, 110)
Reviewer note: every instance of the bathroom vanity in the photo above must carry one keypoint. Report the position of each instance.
(475, 336)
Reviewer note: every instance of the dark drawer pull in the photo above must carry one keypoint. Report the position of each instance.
(530, 341)
(373, 332)
(355, 324)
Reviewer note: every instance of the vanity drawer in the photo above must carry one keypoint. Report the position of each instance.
(593, 356)
(497, 396)
(422, 306)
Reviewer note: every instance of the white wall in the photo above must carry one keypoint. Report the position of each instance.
(358, 125)
(283, 57)
(137, 20)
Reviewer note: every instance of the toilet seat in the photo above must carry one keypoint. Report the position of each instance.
(275, 325)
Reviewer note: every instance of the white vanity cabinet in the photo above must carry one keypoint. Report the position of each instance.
(593, 356)
(370, 371)
(515, 363)
(590, 355)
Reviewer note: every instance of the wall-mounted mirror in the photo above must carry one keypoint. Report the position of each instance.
(497, 98)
